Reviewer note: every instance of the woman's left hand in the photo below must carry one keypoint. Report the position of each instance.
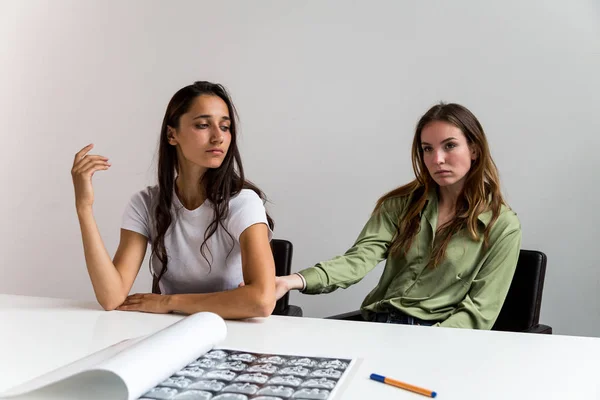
(146, 302)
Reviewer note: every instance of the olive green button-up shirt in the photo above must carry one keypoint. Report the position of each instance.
(466, 290)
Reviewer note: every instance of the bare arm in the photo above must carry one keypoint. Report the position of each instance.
(255, 299)
(111, 281)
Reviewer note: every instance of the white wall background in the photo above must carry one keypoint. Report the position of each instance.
(329, 93)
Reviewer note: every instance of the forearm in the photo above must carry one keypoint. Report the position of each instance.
(106, 280)
(369, 249)
(244, 302)
(340, 272)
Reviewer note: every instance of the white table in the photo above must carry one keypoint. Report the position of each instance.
(40, 334)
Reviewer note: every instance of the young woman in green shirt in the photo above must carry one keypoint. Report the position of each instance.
(449, 240)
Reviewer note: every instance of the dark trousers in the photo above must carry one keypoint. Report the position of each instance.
(398, 317)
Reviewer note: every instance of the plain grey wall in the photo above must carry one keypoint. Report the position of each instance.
(329, 93)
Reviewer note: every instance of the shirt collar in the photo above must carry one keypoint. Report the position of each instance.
(431, 210)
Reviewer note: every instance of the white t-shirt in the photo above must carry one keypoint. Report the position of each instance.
(188, 271)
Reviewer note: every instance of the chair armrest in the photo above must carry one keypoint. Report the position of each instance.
(349, 316)
(294, 311)
(291, 311)
(542, 329)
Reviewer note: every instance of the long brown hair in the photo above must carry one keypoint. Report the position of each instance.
(220, 184)
(481, 191)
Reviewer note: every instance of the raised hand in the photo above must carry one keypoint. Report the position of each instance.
(84, 167)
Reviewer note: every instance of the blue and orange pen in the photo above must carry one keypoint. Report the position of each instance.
(403, 385)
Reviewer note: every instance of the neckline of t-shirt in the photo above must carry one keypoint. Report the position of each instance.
(177, 202)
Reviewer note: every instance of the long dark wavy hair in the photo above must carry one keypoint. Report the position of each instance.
(220, 184)
(481, 191)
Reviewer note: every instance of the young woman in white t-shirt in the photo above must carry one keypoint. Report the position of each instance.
(207, 226)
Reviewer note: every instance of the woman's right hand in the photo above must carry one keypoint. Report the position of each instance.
(284, 284)
(84, 167)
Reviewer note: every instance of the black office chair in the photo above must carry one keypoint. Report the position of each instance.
(521, 309)
(282, 253)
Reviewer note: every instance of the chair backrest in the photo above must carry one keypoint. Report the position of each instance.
(521, 309)
(282, 254)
